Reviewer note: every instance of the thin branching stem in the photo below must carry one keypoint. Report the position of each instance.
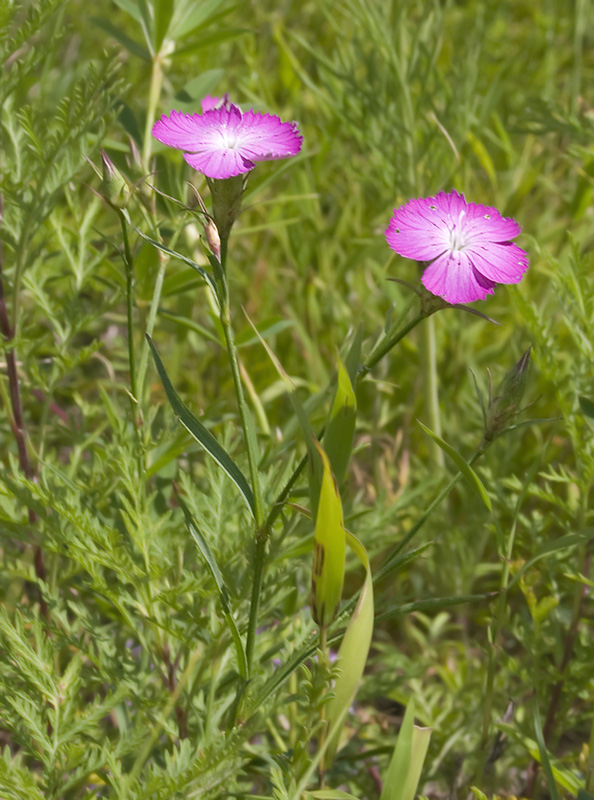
(262, 530)
(17, 422)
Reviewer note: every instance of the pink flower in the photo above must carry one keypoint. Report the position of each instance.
(468, 244)
(223, 141)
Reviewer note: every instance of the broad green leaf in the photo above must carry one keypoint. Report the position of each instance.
(146, 23)
(331, 794)
(190, 15)
(201, 434)
(352, 654)
(200, 270)
(200, 86)
(465, 468)
(217, 576)
(207, 40)
(587, 406)
(163, 14)
(129, 7)
(478, 794)
(404, 772)
(340, 428)
(327, 575)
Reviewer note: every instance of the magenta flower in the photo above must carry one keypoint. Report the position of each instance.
(223, 141)
(468, 244)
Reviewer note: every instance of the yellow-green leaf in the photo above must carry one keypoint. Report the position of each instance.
(404, 772)
(329, 549)
(352, 654)
(340, 430)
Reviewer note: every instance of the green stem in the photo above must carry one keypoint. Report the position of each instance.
(430, 388)
(150, 325)
(244, 413)
(154, 95)
(258, 571)
(262, 530)
(496, 633)
(590, 764)
(386, 344)
(129, 265)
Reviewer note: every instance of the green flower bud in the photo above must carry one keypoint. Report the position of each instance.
(504, 403)
(114, 187)
(226, 202)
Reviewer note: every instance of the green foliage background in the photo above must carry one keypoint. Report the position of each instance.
(117, 671)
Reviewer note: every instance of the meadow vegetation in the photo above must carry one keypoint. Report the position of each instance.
(156, 631)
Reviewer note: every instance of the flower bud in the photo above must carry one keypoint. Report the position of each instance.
(226, 202)
(114, 187)
(213, 238)
(504, 403)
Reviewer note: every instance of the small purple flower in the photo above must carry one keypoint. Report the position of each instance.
(468, 244)
(223, 141)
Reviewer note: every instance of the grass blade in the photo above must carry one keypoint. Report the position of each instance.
(465, 468)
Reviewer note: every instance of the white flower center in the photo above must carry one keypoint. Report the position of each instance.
(231, 140)
(458, 240)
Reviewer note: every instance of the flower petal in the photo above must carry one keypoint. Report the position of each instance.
(453, 277)
(219, 163)
(421, 244)
(264, 137)
(209, 102)
(485, 223)
(502, 263)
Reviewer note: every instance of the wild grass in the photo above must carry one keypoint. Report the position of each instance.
(120, 667)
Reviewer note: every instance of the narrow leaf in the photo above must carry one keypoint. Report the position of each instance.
(200, 270)
(465, 468)
(118, 34)
(340, 428)
(327, 575)
(352, 653)
(217, 576)
(352, 360)
(201, 434)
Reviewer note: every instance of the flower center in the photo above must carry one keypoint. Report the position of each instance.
(231, 140)
(458, 241)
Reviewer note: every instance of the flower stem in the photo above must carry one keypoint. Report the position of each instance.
(154, 95)
(262, 530)
(150, 325)
(129, 266)
(8, 331)
(386, 344)
(430, 388)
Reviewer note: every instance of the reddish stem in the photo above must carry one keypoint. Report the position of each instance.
(16, 423)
